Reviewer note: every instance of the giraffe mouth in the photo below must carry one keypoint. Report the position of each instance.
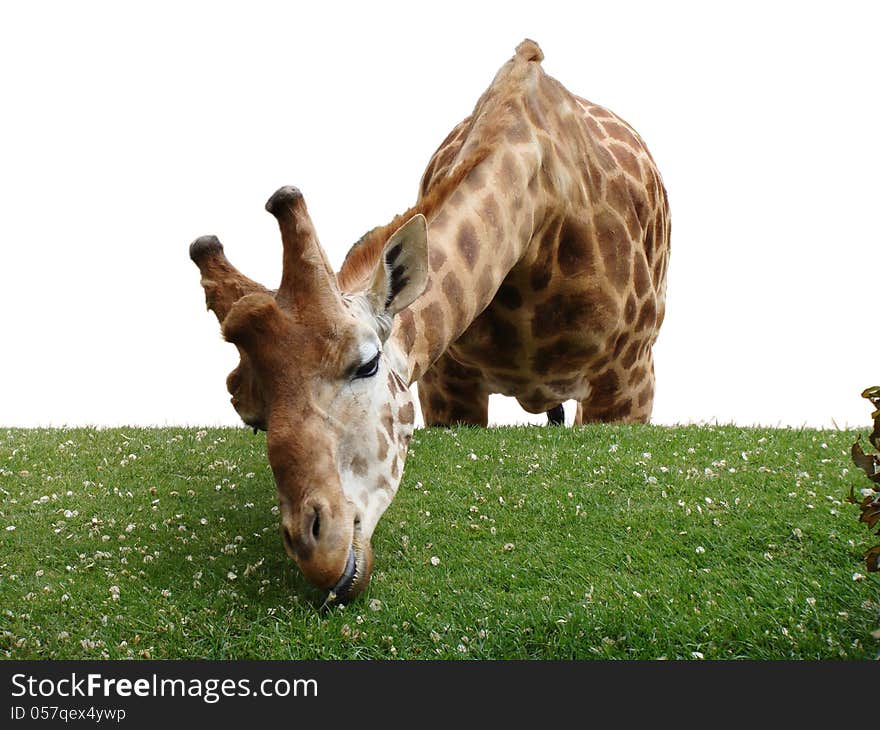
(356, 574)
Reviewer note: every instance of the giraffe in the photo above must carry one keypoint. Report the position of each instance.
(533, 264)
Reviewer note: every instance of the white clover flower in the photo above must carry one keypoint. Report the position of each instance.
(435, 561)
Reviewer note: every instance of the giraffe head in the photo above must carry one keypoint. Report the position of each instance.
(320, 375)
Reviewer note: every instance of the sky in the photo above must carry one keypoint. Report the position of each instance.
(127, 130)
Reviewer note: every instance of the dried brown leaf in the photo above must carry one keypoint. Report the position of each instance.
(868, 463)
(872, 559)
(874, 438)
(873, 395)
(870, 514)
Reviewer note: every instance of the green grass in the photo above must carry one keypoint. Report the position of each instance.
(596, 542)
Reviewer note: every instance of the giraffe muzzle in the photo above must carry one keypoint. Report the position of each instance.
(356, 575)
(340, 591)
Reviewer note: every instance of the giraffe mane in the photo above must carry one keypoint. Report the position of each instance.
(360, 261)
(487, 118)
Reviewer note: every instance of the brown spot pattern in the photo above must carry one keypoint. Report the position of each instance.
(359, 464)
(637, 374)
(476, 178)
(576, 252)
(508, 296)
(541, 275)
(646, 395)
(627, 160)
(392, 383)
(641, 276)
(491, 215)
(455, 299)
(559, 314)
(383, 446)
(614, 246)
(468, 244)
(594, 127)
(434, 322)
(436, 258)
(621, 133)
(406, 414)
(437, 402)
(632, 353)
(648, 316)
(605, 388)
(387, 420)
(509, 171)
(407, 329)
(629, 311)
(564, 355)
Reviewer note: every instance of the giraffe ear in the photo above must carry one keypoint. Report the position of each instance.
(402, 274)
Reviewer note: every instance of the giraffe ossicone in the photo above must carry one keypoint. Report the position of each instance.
(533, 264)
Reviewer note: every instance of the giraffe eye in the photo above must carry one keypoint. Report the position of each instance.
(368, 369)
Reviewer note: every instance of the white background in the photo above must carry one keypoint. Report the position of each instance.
(127, 130)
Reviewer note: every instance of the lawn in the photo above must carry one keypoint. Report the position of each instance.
(516, 543)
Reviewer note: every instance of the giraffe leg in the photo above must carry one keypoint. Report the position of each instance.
(452, 394)
(620, 395)
(556, 416)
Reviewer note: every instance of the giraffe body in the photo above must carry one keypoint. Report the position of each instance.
(579, 281)
(533, 264)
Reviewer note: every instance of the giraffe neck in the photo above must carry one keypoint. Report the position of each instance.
(474, 239)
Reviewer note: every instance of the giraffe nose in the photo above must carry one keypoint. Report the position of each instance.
(313, 526)
(320, 540)
(303, 541)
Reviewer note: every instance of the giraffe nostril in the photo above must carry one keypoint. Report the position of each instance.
(316, 525)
